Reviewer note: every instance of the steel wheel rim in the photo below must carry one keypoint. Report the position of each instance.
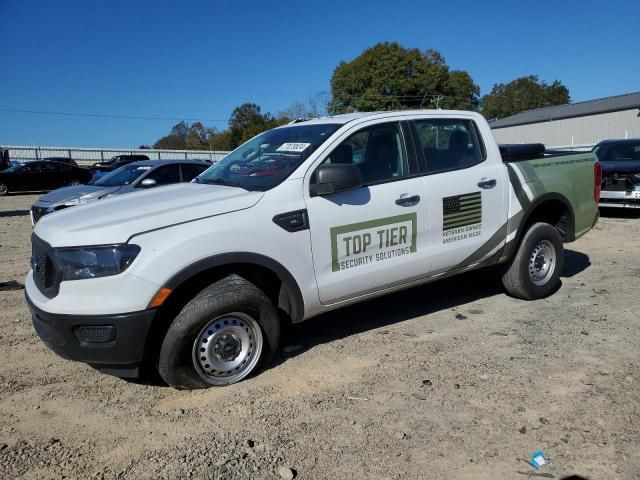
(542, 262)
(3, 189)
(73, 183)
(227, 348)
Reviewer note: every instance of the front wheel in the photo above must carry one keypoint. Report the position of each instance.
(4, 189)
(534, 272)
(73, 183)
(227, 332)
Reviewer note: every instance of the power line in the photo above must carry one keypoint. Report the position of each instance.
(108, 115)
(435, 98)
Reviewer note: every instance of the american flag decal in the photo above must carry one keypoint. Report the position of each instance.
(461, 210)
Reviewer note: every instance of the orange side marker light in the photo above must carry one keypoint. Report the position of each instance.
(159, 298)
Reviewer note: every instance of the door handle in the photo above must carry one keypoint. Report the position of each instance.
(487, 183)
(408, 200)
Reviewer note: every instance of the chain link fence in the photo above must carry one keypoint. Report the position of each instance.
(89, 156)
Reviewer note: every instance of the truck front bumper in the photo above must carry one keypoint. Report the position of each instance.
(113, 344)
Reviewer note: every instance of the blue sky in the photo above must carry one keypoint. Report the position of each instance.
(199, 59)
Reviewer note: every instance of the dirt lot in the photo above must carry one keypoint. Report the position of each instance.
(450, 380)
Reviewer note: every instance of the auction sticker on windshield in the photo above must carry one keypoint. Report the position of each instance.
(364, 243)
(293, 147)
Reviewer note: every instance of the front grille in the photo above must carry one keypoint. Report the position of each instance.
(46, 274)
(38, 213)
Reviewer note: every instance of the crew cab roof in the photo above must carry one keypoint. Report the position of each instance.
(349, 117)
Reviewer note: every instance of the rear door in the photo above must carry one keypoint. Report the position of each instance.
(53, 175)
(370, 238)
(467, 192)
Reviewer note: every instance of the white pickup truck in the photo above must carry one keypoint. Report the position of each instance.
(300, 220)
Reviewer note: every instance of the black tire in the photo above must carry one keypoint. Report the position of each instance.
(524, 276)
(4, 189)
(231, 298)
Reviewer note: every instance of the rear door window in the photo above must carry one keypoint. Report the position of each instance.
(165, 175)
(191, 171)
(35, 167)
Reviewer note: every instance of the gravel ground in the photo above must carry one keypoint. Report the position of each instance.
(450, 380)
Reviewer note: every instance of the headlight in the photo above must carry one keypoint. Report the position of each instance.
(93, 262)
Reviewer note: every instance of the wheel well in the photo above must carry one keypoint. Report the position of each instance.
(262, 277)
(555, 212)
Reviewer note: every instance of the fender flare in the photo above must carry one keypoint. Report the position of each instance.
(289, 298)
(552, 196)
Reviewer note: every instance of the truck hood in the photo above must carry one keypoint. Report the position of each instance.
(67, 194)
(116, 219)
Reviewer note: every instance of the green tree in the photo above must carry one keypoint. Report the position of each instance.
(247, 121)
(177, 138)
(198, 137)
(221, 141)
(460, 93)
(522, 94)
(389, 76)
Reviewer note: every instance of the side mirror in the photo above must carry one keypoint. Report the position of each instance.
(335, 177)
(148, 183)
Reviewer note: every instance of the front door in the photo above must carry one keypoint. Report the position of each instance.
(30, 177)
(370, 238)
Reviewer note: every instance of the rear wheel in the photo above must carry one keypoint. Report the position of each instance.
(226, 333)
(74, 182)
(4, 189)
(535, 270)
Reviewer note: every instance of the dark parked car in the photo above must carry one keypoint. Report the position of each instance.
(100, 169)
(4, 159)
(620, 161)
(126, 179)
(67, 160)
(41, 175)
(120, 158)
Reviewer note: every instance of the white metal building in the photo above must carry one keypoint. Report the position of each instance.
(574, 124)
(83, 156)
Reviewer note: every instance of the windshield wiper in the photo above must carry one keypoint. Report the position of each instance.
(222, 181)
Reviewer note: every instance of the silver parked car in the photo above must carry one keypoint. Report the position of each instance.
(126, 179)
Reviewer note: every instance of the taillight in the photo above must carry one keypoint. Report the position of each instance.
(597, 181)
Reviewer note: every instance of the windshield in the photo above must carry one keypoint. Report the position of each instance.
(627, 151)
(266, 160)
(13, 167)
(124, 175)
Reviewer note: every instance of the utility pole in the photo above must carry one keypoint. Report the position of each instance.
(437, 100)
